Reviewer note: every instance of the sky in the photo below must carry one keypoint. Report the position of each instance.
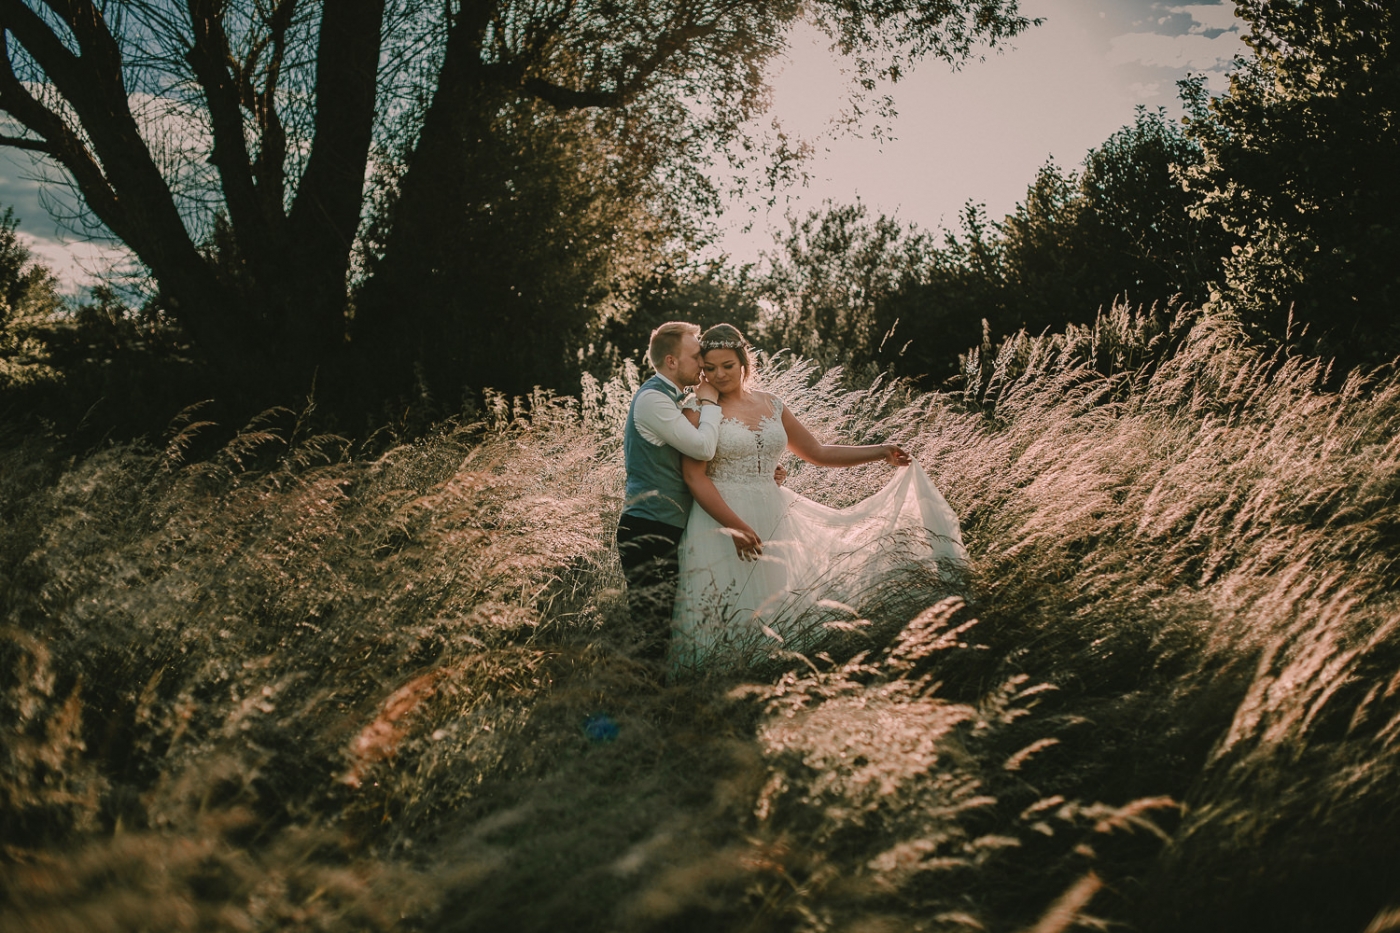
(978, 133)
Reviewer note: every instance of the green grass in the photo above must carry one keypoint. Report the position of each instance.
(299, 684)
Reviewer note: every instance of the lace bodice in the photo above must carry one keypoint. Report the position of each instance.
(748, 455)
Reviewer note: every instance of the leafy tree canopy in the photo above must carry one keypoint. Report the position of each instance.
(1299, 165)
(878, 294)
(170, 118)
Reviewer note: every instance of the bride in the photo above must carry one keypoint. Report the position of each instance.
(765, 569)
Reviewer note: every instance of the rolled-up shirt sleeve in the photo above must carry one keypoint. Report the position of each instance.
(660, 421)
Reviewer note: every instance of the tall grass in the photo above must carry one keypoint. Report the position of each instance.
(302, 684)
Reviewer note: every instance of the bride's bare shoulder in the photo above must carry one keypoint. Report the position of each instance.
(769, 399)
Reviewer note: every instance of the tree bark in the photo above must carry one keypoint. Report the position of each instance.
(326, 212)
(434, 177)
(286, 318)
(117, 177)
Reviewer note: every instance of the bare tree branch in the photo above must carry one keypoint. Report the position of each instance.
(625, 88)
(33, 145)
(61, 141)
(269, 165)
(209, 56)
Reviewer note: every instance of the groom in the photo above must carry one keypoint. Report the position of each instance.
(657, 501)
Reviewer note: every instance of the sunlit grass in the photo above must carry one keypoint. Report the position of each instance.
(300, 683)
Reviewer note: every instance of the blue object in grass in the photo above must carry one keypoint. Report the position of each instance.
(600, 727)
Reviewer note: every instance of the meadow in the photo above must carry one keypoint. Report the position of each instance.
(301, 683)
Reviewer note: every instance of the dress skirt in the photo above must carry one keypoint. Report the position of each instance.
(819, 566)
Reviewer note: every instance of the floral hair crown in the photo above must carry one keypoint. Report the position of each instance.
(723, 345)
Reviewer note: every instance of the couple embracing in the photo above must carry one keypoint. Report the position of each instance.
(725, 565)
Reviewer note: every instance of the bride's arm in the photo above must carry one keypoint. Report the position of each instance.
(746, 542)
(802, 443)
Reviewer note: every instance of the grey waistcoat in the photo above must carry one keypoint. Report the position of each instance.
(655, 489)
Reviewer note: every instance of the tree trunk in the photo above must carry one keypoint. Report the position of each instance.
(393, 311)
(270, 313)
(326, 213)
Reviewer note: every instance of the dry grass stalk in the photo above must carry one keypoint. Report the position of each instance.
(1184, 558)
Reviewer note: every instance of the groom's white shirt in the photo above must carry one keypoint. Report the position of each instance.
(661, 421)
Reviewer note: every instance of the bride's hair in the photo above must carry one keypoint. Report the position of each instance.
(728, 337)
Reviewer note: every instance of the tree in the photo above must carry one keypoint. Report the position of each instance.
(166, 115)
(1142, 225)
(545, 244)
(20, 276)
(1122, 229)
(1046, 266)
(704, 293)
(873, 293)
(77, 77)
(1300, 157)
(28, 289)
(835, 275)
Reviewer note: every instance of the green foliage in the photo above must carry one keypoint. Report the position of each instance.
(547, 229)
(26, 287)
(877, 295)
(1123, 229)
(28, 302)
(1143, 219)
(297, 682)
(837, 271)
(701, 293)
(1299, 158)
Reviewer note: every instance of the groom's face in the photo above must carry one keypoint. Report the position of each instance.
(688, 361)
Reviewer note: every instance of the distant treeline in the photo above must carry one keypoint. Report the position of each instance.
(563, 230)
(1277, 201)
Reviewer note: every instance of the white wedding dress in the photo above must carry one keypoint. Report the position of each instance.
(819, 565)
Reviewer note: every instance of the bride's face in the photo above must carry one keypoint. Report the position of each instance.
(724, 371)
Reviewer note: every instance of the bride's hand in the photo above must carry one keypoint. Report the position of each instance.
(896, 457)
(746, 542)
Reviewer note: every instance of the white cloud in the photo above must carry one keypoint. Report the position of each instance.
(1194, 51)
(1207, 17)
(77, 263)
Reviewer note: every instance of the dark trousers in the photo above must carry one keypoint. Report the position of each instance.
(649, 561)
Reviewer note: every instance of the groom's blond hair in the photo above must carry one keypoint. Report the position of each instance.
(666, 341)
